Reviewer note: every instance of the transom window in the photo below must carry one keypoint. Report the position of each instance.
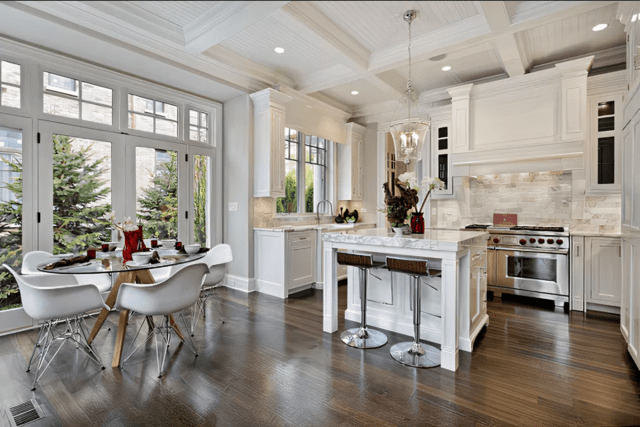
(149, 115)
(198, 127)
(10, 83)
(68, 97)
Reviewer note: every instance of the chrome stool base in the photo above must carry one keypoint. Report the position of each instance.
(363, 338)
(416, 355)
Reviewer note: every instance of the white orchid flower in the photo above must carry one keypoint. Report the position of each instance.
(409, 178)
(110, 216)
(432, 182)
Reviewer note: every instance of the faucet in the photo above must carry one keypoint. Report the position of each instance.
(318, 210)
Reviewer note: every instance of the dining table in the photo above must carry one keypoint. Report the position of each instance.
(125, 272)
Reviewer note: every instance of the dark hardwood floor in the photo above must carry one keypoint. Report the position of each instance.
(270, 364)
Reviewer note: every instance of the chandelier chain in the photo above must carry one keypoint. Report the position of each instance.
(409, 50)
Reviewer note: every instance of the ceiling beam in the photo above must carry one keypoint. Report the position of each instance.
(505, 43)
(224, 20)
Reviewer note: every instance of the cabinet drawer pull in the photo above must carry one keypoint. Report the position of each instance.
(302, 238)
(577, 251)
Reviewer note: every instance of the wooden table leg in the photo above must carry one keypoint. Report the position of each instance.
(174, 324)
(123, 277)
(122, 329)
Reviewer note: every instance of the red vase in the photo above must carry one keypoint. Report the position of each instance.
(133, 242)
(417, 222)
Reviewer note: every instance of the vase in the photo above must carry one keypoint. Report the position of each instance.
(133, 242)
(398, 230)
(417, 222)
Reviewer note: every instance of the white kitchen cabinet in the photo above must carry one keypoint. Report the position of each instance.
(603, 283)
(350, 155)
(285, 261)
(604, 146)
(596, 279)
(269, 122)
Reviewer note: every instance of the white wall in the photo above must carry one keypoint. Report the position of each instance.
(238, 188)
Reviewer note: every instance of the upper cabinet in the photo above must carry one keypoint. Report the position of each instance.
(350, 157)
(269, 123)
(603, 147)
(441, 155)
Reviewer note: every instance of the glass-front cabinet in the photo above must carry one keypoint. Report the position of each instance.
(441, 155)
(604, 160)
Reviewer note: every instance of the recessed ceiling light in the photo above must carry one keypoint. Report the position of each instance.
(599, 27)
(279, 50)
(354, 92)
(446, 68)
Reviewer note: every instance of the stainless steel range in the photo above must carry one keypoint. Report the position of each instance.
(529, 261)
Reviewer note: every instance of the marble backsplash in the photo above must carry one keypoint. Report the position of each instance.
(541, 198)
(264, 214)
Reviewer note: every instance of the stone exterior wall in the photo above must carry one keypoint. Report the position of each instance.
(541, 198)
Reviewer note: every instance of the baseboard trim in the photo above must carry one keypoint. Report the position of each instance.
(240, 283)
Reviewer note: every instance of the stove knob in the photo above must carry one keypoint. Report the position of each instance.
(496, 240)
(532, 240)
(550, 241)
(541, 241)
(559, 241)
(523, 241)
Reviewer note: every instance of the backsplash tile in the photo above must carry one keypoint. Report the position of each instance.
(541, 198)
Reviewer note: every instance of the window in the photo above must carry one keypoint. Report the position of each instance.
(311, 159)
(289, 203)
(149, 115)
(315, 172)
(67, 97)
(10, 81)
(198, 126)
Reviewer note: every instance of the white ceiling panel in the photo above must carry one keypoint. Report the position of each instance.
(180, 13)
(367, 93)
(572, 37)
(379, 24)
(301, 57)
(428, 75)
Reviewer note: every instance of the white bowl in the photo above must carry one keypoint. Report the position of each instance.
(192, 249)
(142, 257)
(168, 243)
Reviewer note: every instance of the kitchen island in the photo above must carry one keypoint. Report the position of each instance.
(454, 310)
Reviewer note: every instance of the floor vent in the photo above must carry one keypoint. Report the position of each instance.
(25, 413)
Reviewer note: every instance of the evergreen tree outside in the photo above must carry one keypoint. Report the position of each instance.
(290, 191)
(200, 200)
(78, 208)
(158, 211)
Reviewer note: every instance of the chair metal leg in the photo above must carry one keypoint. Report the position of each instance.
(363, 337)
(41, 336)
(415, 353)
(199, 309)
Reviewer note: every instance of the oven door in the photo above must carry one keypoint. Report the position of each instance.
(545, 272)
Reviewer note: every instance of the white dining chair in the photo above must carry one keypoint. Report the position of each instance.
(172, 295)
(54, 300)
(31, 260)
(216, 259)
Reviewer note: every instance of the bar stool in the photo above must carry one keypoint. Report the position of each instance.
(362, 337)
(414, 353)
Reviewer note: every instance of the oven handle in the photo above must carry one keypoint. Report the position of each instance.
(540, 251)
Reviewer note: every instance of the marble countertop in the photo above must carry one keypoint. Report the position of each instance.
(592, 233)
(445, 239)
(324, 227)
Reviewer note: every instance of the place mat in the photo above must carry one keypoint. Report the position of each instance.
(68, 261)
(201, 251)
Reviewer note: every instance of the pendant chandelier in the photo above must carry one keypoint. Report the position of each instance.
(408, 134)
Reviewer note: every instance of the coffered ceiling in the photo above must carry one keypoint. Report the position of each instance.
(221, 49)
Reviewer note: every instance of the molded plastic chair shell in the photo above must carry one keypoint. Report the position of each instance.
(217, 259)
(178, 292)
(50, 296)
(31, 260)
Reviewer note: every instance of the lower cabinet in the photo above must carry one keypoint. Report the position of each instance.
(596, 273)
(285, 261)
